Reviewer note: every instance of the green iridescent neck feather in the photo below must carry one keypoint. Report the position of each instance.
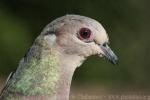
(37, 73)
(39, 77)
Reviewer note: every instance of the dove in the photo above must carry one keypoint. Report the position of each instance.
(46, 70)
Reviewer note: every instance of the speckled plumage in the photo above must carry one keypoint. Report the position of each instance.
(46, 71)
(37, 73)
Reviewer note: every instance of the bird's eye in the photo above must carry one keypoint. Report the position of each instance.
(85, 34)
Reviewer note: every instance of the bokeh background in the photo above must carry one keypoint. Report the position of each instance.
(127, 22)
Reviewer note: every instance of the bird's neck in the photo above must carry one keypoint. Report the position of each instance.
(68, 64)
(46, 71)
(49, 75)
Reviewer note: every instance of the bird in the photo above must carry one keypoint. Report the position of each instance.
(46, 70)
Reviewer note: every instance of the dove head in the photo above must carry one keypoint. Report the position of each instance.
(80, 36)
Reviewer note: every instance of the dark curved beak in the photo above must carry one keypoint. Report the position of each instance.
(109, 54)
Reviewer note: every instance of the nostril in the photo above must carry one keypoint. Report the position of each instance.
(104, 45)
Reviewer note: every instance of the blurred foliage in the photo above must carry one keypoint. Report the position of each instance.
(126, 21)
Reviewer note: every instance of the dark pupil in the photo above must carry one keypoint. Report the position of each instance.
(85, 33)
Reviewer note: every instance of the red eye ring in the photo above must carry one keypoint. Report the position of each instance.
(84, 33)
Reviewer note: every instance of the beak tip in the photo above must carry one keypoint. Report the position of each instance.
(114, 61)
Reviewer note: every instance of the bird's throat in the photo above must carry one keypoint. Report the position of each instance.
(68, 64)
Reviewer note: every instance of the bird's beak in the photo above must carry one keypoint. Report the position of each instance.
(108, 53)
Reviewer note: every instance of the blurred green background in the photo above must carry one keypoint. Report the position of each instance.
(127, 22)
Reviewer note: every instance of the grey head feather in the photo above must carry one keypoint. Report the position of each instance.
(52, 27)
